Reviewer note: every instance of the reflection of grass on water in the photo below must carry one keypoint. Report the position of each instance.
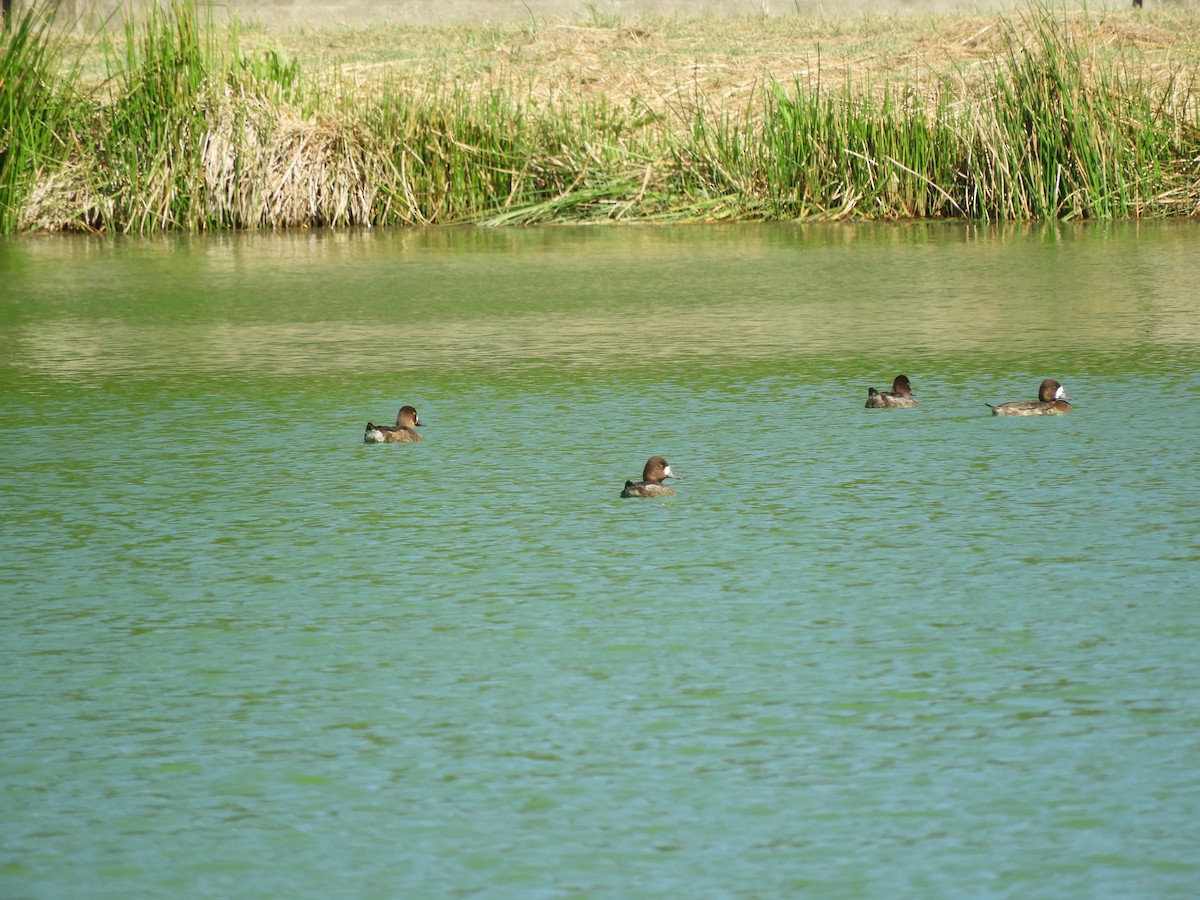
(187, 131)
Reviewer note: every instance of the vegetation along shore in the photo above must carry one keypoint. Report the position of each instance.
(175, 122)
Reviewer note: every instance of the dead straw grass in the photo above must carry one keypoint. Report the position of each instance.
(267, 170)
(658, 64)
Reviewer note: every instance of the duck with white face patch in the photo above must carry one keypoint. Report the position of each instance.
(651, 484)
(1052, 401)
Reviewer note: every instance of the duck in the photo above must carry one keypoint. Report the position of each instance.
(899, 397)
(1052, 401)
(651, 484)
(402, 432)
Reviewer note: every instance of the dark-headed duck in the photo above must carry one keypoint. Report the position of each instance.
(899, 397)
(1051, 401)
(402, 432)
(651, 484)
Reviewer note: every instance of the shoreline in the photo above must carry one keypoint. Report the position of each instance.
(993, 117)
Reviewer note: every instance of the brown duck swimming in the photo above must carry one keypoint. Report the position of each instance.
(402, 432)
(651, 484)
(1051, 401)
(899, 397)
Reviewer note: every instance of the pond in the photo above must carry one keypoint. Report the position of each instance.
(903, 653)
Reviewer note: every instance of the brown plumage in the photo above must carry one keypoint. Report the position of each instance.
(651, 484)
(899, 397)
(400, 433)
(1051, 401)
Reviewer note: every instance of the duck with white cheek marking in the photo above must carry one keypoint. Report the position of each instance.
(1052, 401)
(404, 431)
(651, 484)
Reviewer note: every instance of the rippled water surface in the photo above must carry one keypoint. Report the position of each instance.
(926, 653)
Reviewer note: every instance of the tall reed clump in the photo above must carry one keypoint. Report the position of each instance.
(37, 108)
(1070, 135)
(150, 137)
(1060, 134)
(197, 136)
(827, 155)
(460, 158)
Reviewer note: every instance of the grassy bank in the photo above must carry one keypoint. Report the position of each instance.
(178, 123)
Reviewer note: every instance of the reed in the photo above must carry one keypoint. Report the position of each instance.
(1069, 136)
(149, 138)
(829, 155)
(36, 110)
(459, 158)
(1058, 134)
(187, 132)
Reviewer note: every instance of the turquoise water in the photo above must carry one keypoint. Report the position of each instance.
(905, 653)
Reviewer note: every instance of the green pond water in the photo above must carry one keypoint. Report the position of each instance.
(905, 653)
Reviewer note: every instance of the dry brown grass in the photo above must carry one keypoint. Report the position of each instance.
(307, 171)
(656, 65)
